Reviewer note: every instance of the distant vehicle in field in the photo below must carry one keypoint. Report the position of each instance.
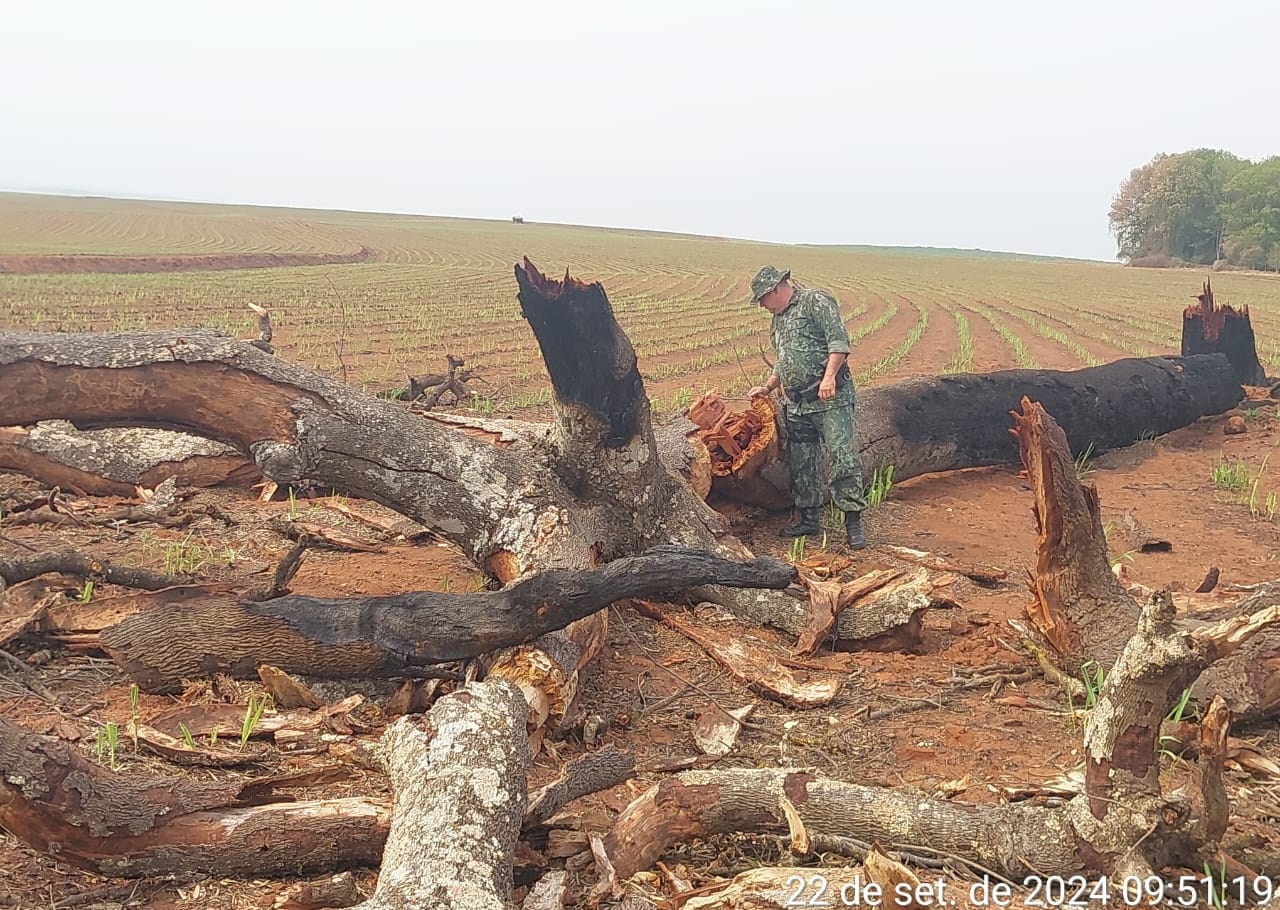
(517, 219)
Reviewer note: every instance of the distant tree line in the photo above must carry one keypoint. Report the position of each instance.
(1204, 207)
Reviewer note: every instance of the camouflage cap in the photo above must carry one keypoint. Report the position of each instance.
(766, 280)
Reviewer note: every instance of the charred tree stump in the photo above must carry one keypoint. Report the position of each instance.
(1213, 328)
(1079, 603)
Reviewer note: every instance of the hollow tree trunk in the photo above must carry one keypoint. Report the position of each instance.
(944, 423)
(1212, 328)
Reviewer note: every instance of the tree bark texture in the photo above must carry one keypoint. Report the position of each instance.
(388, 635)
(115, 461)
(459, 779)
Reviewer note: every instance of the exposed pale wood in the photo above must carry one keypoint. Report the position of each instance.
(715, 731)
(827, 599)
(983, 575)
(1079, 604)
(750, 661)
(287, 692)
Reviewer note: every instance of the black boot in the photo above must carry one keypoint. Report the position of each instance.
(853, 535)
(809, 524)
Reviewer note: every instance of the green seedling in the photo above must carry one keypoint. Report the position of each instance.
(252, 715)
(108, 738)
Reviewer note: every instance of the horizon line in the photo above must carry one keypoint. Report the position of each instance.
(78, 193)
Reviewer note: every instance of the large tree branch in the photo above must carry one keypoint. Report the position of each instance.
(355, 637)
(133, 825)
(460, 798)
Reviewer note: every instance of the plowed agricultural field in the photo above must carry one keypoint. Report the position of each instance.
(376, 297)
(371, 298)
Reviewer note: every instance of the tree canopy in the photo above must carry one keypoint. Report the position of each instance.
(1199, 207)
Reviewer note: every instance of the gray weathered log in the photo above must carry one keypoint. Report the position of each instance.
(115, 460)
(459, 777)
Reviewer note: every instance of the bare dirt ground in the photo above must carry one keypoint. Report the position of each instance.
(650, 684)
(81, 263)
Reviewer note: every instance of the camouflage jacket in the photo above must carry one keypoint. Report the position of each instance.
(804, 334)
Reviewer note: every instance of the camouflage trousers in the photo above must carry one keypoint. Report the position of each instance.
(810, 431)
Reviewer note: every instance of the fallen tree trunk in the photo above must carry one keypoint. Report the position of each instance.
(940, 424)
(388, 635)
(53, 799)
(944, 423)
(458, 775)
(459, 781)
(591, 490)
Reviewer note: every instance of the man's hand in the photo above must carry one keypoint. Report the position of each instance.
(827, 388)
(758, 392)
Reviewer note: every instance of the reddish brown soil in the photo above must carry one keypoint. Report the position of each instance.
(62, 264)
(935, 349)
(650, 683)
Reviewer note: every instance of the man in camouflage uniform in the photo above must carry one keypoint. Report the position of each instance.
(813, 346)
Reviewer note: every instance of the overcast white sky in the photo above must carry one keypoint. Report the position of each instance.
(1001, 125)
